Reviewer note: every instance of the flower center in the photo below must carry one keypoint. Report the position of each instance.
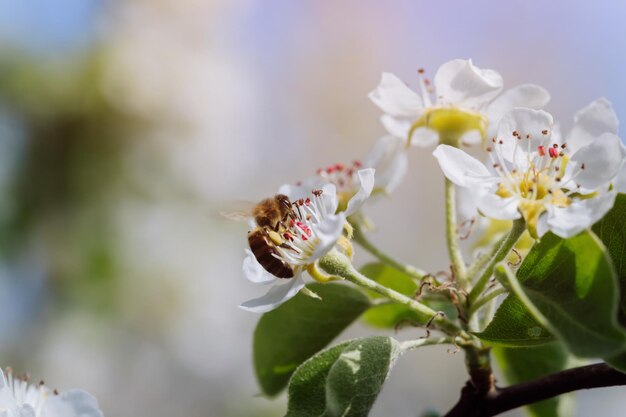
(343, 177)
(296, 242)
(451, 123)
(537, 177)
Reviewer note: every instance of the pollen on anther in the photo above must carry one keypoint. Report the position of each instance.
(421, 71)
(489, 149)
(500, 142)
(583, 166)
(544, 132)
(317, 193)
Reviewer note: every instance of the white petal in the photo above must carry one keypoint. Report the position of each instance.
(542, 224)
(24, 410)
(328, 231)
(465, 204)
(329, 198)
(277, 295)
(396, 126)
(473, 137)
(7, 400)
(459, 167)
(492, 205)
(530, 125)
(395, 98)
(461, 82)
(303, 189)
(424, 137)
(603, 159)
(389, 158)
(72, 403)
(366, 185)
(253, 270)
(580, 215)
(525, 95)
(592, 121)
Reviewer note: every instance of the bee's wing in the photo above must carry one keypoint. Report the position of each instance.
(238, 216)
(238, 211)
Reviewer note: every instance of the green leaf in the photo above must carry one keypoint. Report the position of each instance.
(388, 315)
(612, 231)
(525, 364)
(287, 336)
(514, 326)
(571, 283)
(343, 380)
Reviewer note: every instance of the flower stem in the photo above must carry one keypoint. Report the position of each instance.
(452, 237)
(488, 297)
(336, 263)
(360, 238)
(503, 250)
(413, 344)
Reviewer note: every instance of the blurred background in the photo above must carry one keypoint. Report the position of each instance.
(126, 125)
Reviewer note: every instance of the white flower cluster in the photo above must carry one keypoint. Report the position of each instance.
(19, 398)
(555, 183)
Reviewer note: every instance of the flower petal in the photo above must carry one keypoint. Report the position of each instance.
(366, 185)
(525, 95)
(461, 82)
(492, 205)
(459, 167)
(24, 410)
(519, 126)
(395, 98)
(389, 158)
(328, 231)
(602, 158)
(620, 180)
(424, 137)
(277, 295)
(303, 189)
(471, 138)
(253, 270)
(590, 122)
(72, 403)
(396, 126)
(7, 400)
(581, 214)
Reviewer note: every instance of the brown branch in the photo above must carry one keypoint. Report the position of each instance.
(473, 403)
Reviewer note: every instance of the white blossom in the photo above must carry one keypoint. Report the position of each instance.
(19, 398)
(465, 101)
(538, 176)
(315, 230)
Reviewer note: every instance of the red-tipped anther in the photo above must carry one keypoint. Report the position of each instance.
(553, 153)
(319, 171)
(339, 167)
(307, 202)
(357, 164)
(330, 169)
(317, 193)
(542, 150)
(301, 201)
(288, 236)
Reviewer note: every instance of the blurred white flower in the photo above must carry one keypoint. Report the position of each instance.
(18, 398)
(387, 157)
(534, 175)
(314, 229)
(465, 103)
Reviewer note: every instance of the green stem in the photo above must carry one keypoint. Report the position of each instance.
(414, 344)
(503, 250)
(360, 238)
(336, 263)
(452, 237)
(486, 298)
(482, 260)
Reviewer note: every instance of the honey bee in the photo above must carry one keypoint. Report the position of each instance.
(270, 216)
